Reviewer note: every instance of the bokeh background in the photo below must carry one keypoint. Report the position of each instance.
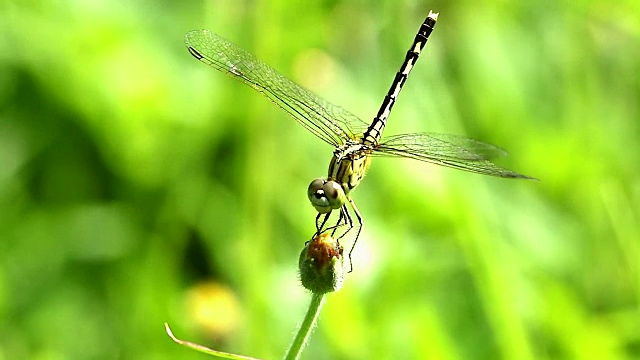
(139, 186)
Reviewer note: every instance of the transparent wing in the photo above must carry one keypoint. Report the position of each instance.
(447, 150)
(329, 122)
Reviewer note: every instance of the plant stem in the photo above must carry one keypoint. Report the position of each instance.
(307, 325)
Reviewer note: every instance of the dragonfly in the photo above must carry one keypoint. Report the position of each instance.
(355, 141)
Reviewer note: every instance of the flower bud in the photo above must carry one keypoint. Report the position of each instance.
(321, 264)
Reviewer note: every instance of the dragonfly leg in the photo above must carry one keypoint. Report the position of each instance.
(345, 219)
(359, 217)
(337, 225)
(320, 225)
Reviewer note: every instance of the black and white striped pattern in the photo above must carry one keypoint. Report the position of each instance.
(374, 132)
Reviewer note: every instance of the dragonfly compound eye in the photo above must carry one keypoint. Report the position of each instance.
(335, 194)
(317, 196)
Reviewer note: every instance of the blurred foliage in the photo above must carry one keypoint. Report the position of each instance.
(139, 186)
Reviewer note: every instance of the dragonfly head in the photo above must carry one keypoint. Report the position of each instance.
(326, 195)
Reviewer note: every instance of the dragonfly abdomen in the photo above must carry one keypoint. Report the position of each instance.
(374, 132)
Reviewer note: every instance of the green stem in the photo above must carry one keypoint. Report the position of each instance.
(305, 328)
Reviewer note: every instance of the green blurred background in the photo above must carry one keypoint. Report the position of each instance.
(139, 186)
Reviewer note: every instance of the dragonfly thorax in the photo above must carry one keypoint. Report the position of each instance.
(347, 168)
(349, 164)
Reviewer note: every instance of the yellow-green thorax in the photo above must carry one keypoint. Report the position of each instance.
(349, 164)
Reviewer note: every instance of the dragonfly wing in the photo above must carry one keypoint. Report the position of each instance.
(329, 122)
(447, 150)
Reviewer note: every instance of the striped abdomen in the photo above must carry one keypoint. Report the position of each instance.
(374, 132)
